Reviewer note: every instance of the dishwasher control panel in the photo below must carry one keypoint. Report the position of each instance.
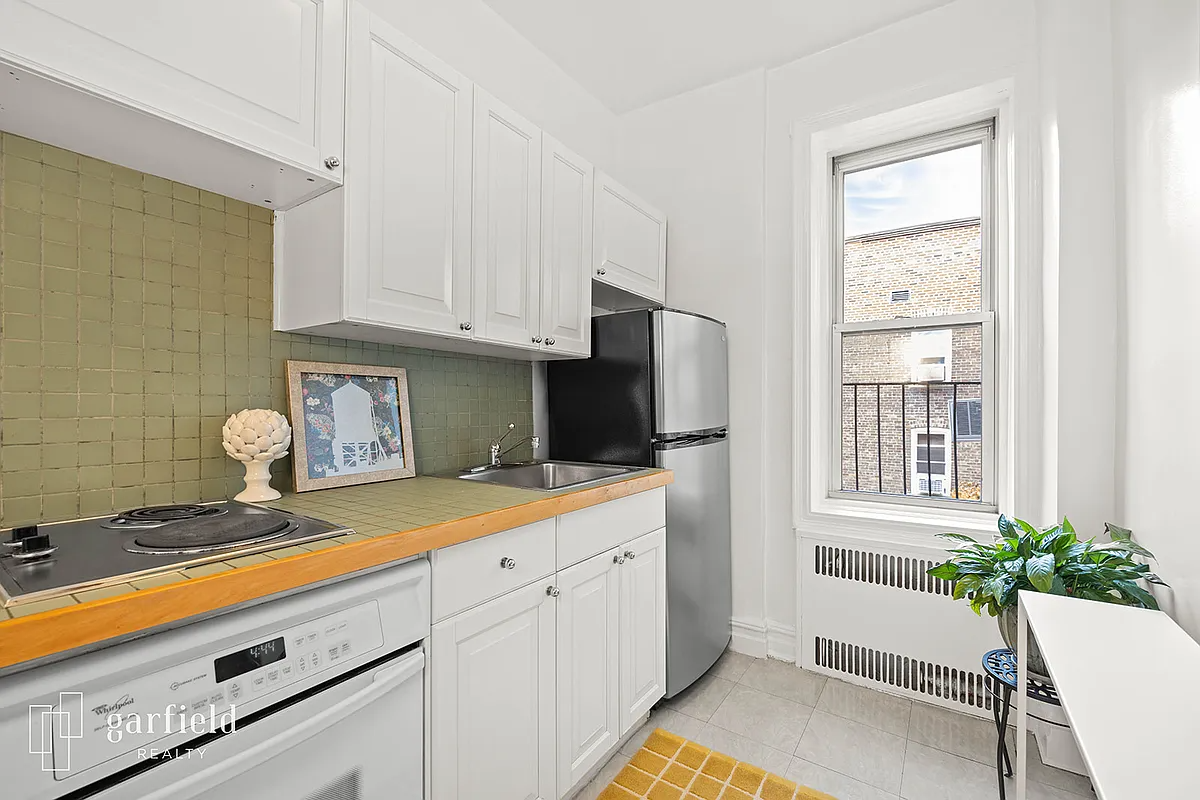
(207, 693)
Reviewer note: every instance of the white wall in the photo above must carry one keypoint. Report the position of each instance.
(472, 38)
(699, 157)
(1157, 48)
(1079, 262)
(691, 156)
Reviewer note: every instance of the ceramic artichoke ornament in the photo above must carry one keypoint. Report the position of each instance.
(256, 437)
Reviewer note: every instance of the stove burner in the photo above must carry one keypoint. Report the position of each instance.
(202, 534)
(159, 515)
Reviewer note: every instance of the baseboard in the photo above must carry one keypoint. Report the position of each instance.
(767, 639)
(781, 641)
(749, 638)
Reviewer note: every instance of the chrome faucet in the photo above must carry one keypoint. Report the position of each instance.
(494, 451)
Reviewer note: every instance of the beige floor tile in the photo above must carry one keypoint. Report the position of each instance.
(731, 666)
(868, 706)
(784, 680)
(701, 699)
(864, 753)
(765, 718)
(932, 774)
(959, 734)
(843, 787)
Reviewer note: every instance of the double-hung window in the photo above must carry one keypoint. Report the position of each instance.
(913, 322)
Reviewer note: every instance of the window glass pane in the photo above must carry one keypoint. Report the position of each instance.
(912, 237)
(900, 434)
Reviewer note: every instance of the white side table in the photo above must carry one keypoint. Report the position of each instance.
(1127, 679)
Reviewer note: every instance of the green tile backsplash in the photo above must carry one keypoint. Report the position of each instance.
(136, 316)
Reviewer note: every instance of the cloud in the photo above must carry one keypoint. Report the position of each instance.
(933, 188)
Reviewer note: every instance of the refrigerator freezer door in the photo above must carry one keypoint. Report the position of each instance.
(601, 407)
(699, 577)
(691, 374)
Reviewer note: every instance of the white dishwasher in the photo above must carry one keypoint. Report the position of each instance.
(315, 696)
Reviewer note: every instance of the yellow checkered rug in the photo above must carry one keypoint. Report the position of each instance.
(669, 767)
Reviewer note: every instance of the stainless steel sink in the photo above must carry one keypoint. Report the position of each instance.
(545, 474)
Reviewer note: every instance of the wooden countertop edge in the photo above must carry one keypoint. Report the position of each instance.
(59, 630)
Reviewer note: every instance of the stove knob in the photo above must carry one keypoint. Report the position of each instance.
(36, 542)
(34, 547)
(19, 535)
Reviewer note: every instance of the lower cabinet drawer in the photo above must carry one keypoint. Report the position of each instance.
(467, 574)
(584, 533)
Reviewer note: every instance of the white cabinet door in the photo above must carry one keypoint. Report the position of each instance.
(643, 625)
(507, 218)
(566, 324)
(408, 174)
(266, 75)
(589, 706)
(631, 241)
(492, 700)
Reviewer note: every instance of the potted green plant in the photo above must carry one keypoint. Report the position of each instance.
(989, 574)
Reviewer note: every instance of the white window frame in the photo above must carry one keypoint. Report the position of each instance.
(816, 143)
(982, 133)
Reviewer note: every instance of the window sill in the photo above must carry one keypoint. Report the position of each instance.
(902, 523)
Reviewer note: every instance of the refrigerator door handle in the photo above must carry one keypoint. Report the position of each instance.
(690, 440)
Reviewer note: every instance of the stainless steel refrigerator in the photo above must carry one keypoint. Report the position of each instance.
(656, 393)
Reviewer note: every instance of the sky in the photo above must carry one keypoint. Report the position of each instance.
(932, 188)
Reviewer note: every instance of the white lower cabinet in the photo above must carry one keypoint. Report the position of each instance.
(530, 691)
(492, 696)
(589, 639)
(643, 625)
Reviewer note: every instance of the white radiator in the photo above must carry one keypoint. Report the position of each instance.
(870, 615)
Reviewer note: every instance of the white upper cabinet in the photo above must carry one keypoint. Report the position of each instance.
(589, 709)
(492, 700)
(460, 224)
(643, 626)
(267, 76)
(630, 249)
(506, 224)
(408, 181)
(566, 325)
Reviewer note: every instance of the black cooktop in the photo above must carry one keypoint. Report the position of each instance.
(50, 560)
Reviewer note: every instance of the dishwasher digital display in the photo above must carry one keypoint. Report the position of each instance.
(243, 661)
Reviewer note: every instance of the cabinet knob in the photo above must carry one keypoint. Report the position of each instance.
(466, 326)
(538, 340)
(618, 559)
(600, 271)
(553, 591)
(507, 563)
(333, 162)
(550, 341)
(630, 555)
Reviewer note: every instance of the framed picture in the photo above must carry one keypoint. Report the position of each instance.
(350, 424)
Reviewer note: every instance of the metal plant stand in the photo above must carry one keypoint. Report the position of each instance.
(1001, 665)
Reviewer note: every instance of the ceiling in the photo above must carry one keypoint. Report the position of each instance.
(629, 53)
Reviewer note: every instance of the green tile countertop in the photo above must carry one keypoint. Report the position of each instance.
(371, 510)
(392, 521)
(396, 506)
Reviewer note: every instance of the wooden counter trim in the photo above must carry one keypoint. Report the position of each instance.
(57, 631)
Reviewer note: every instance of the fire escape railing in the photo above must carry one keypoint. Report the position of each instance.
(927, 388)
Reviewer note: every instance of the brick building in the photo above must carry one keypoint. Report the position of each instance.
(900, 432)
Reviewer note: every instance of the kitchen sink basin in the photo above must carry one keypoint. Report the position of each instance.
(545, 474)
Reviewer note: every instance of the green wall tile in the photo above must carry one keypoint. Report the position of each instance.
(137, 317)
